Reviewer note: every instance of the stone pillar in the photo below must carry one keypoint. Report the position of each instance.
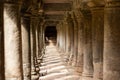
(37, 37)
(97, 38)
(88, 58)
(40, 40)
(1, 42)
(111, 68)
(34, 75)
(61, 37)
(79, 17)
(13, 45)
(67, 36)
(71, 26)
(64, 36)
(39, 44)
(58, 36)
(25, 27)
(36, 25)
(75, 53)
(66, 33)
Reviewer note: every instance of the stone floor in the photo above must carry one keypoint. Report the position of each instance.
(54, 67)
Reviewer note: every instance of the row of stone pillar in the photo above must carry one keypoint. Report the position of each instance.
(19, 43)
(92, 40)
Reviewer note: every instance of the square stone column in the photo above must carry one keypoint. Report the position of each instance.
(79, 17)
(13, 44)
(97, 10)
(25, 28)
(111, 61)
(87, 48)
(34, 73)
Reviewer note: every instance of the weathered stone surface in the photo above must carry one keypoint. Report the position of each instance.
(32, 41)
(75, 32)
(71, 40)
(25, 28)
(67, 32)
(13, 48)
(88, 58)
(79, 65)
(97, 41)
(34, 70)
(112, 41)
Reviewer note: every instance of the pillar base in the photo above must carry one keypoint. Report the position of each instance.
(74, 63)
(37, 69)
(14, 78)
(39, 60)
(98, 71)
(86, 76)
(35, 77)
(79, 70)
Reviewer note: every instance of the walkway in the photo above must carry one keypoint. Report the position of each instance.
(53, 66)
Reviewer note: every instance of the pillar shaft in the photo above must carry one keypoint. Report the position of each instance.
(88, 59)
(37, 37)
(97, 41)
(26, 48)
(13, 48)
(37, 44)
(58, 36)
(112, 40)
(40, 40)
(1, 43)
(61, 41)
(80, 41)
(34, 73)
(67, 36)
(71, 26)
(75, 54)
(33, 51)
(64, 36)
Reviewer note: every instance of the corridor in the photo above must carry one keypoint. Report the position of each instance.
(54, 66)
(59, 39)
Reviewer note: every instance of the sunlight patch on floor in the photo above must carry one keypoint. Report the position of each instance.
(53, 66)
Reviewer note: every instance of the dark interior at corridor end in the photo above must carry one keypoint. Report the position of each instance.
(50, 35)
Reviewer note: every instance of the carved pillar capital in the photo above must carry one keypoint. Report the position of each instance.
(112, 3)
(95, 3)
(13, 2)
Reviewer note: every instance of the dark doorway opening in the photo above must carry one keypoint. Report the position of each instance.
(50, 35)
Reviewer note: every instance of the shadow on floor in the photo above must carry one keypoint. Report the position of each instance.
(53, 66)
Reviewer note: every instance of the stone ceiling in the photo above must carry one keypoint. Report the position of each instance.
(54, 10)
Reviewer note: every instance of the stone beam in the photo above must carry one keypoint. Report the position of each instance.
(51, 23)
(56, 1)
(57, 6)
(54, 12)
(56, 17)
